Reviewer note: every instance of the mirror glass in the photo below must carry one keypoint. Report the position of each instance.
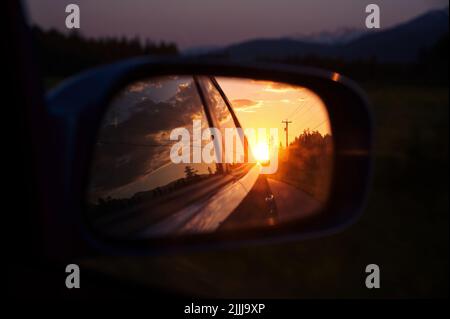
(180, 155)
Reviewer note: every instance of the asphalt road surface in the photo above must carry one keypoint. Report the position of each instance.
(291, 202)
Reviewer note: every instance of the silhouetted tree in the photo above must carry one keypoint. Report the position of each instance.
(61, 55)
(189, 172)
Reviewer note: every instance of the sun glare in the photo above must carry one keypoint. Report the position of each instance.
(261, 152)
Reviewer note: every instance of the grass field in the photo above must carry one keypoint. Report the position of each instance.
(404, 229)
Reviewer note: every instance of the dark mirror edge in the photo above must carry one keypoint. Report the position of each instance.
(340, 95)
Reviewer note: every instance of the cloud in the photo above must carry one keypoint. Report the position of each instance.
(140, 86)
(243, 103)
(246, 111)
(246, 105)
(138, 144)
(278, 87)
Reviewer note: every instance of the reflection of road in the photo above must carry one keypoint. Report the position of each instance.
(291, 202)
(208, 212)
(220, 209)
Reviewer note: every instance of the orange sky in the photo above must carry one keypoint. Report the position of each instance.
(261, 104)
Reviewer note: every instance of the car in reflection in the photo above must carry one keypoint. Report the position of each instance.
(96, 175)
(137, 191)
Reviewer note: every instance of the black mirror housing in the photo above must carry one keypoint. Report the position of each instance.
(75, 110)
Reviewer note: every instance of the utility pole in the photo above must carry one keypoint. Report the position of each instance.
(286, 129)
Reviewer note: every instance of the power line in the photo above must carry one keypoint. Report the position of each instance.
(305, 122)
(295, 111)
(304, 111)
(308, 123)
(318, 125)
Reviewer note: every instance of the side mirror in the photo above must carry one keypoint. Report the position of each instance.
(151, 156)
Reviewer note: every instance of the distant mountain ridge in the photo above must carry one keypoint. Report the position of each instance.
(402, 43)
(341, 35)
(200, 50)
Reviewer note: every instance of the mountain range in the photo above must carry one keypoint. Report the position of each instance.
(402, 43)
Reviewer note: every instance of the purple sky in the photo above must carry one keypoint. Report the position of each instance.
(192, 23)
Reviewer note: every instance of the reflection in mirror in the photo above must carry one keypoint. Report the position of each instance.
(194, 154)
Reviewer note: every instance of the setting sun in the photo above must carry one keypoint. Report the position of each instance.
(261, 152)
(265, 104)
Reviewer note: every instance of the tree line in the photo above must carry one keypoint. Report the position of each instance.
(61, 55)
(431, 67)
(307, 164)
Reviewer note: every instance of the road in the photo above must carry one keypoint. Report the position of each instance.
(291, 202)
(218, 210)
(206, 214)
